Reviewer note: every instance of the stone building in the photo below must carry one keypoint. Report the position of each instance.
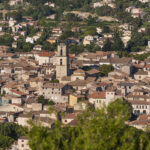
(62, 61)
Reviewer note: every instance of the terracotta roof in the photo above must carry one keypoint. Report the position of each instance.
(91, 79)
(143, 117)
(142, 120)
(93, 71)
(53, 85)
(139, 102)
(138, 66)
(140, 72)
(73, 123)
(71, 56)
(70, 116)
(66, 78)
(79, 71)
(97, 94)
(101, 53)
(18, 92)
(147, 66)
(46, 54)
(123, 60)
(78, 83)
(23, 138)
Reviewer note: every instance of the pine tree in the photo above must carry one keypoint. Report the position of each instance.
(107, 45)
(118, 44)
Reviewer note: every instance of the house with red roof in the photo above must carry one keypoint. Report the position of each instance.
(45, 57)
(142, 122)
(99, 99)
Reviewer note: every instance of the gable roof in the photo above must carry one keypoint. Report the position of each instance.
(147, 66)
(99, 95)
(46, 54)
(79, 71)
(93, 71)
(141, 72)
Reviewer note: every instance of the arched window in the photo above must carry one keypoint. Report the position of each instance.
(61, 52)
(60, 61)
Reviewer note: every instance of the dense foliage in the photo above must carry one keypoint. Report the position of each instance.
(44, 101)
(6, 39)
(99, 130)
(105, 69)
(10, 132)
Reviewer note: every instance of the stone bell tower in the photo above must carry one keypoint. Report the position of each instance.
(62, 61)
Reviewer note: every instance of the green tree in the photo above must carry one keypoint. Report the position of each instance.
(17, 15)
(42, 100)
(66, 35)
(117, 44)
(106, 29)
(71, 17)
(137, 41)
(10, 132)
(5, 141)
(104, 11)
(107, 45)
(105, 69)
(54, 81)
(96, 130)
(90, 31)
(148, 30)
(91, 20)
(6, 39)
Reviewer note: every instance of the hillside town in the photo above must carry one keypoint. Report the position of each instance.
(51, 66)
(59, 77)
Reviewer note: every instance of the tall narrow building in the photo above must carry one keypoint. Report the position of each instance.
(62, 61)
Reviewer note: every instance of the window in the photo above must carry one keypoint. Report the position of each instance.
(22, 145)
(143, 107)
(22, 140)
(60, 61)
(137, 106)
(61, 52)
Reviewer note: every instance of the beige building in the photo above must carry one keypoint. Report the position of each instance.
(99, 99)
(21, 144)
(23, 120)
(78, 74)
(140, 75)
(45, 58)
(55, 92)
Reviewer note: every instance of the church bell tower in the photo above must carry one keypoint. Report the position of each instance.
(62, 61)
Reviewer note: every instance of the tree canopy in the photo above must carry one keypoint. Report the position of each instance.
(44, 101)
(105, 69)
(103, 129)
(10, 132)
